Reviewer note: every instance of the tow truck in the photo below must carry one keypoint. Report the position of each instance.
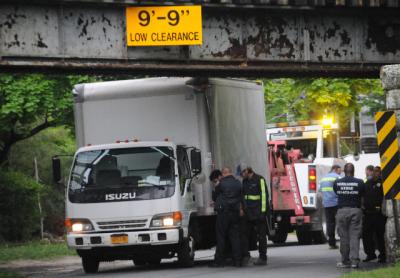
(300, 154)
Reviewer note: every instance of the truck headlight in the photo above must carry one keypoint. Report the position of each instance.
(78, 225)
(172, 219)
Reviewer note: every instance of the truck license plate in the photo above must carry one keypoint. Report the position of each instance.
(119, 239)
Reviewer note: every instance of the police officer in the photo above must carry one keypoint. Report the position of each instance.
(330, 202)
(215, 178)
(369, 173)
(255, 203)
(349, 216)
(228, 195)
(374, 221)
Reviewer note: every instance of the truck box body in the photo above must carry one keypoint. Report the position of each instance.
(129, 123)
(224, 119)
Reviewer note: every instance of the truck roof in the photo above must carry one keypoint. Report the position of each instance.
(130, 144)
(150, 86)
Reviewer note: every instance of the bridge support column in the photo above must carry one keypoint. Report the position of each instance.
(390, 76)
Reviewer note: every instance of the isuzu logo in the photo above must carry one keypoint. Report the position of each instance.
(120, 196)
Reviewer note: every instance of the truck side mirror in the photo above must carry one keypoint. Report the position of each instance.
(195, 161)
(56, 163)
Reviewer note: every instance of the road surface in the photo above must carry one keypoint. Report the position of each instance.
(283, 261)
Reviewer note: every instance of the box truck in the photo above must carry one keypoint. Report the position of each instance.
(138, 187)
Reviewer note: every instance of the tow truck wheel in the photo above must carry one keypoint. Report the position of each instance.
(304, 237)
(319, 237)
(280, 237)
(90, 264)
(186, 252)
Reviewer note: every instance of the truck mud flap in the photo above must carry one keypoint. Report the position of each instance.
(300, 220)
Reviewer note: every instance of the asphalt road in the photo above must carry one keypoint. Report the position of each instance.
(283, 261)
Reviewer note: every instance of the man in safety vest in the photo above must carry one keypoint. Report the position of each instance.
(330, 202)
(255, 205)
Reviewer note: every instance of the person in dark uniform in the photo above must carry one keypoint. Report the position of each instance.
(228, 195)
(215, 178)
(255, 204)
(374, 220)
(369, 173)
(349, 216)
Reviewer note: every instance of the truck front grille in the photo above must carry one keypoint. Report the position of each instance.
(122, 225)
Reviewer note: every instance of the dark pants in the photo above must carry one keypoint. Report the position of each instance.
(244, 238)
(227, 228)
(374, 234)
(260, 227)
(330, 215)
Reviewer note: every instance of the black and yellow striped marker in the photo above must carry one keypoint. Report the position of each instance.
(389, 153)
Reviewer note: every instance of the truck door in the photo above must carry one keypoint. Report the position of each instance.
(185, 178)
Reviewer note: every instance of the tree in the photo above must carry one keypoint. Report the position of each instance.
(305, 99)
(30, 103)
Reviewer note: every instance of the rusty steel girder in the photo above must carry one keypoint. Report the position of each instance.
(237, 41)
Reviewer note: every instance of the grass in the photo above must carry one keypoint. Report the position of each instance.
(386, 272)
(9, 274)
(34, 250)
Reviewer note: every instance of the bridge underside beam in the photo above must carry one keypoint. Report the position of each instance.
(236, 42)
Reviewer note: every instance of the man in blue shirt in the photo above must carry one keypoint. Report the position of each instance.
(330, 202)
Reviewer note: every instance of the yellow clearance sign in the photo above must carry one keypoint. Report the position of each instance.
(166, 25)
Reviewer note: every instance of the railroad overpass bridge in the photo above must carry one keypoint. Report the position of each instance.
(240, 38)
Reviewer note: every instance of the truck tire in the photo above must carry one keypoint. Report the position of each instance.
(90, 264)
(279, 237)
(154, 261)
(281, 232)
(319, 237)
(139, 262)
(186, 252)
(304, 237)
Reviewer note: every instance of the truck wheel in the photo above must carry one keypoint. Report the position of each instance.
(90, 264)
(319, 237)
(279, 237)
(154, 261)
(139, 262)
(304, 237)
(186, 252)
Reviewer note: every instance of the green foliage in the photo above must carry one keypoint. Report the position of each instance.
(19, 213)
(43, 146)
(302, 99)
(30, 103)
(34, 250)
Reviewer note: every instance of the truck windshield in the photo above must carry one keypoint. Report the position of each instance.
(306, 141)
(126, 174)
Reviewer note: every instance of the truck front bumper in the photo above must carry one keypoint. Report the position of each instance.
(108, 239)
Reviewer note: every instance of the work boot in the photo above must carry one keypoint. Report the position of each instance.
(215, 264)
(381, 259)
(260, 262)
(333, 247)
(245, 260)
(370, 258)
(343, 265)
(237, 264)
